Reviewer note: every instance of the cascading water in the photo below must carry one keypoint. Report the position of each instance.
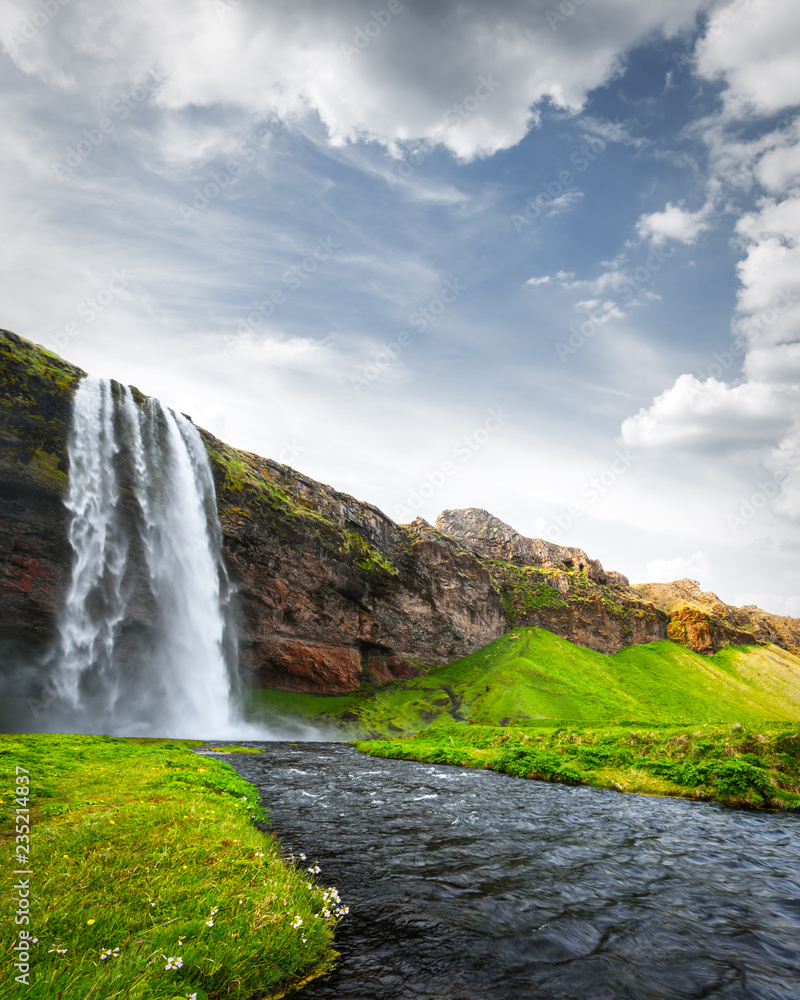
(145, 643)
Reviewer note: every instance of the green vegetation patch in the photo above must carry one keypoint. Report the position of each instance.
(149, 879)
(524, 591)
(745, 767)
(36, 390)
(250, 496)
(530, 676)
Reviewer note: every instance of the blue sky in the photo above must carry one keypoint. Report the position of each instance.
(534, 257)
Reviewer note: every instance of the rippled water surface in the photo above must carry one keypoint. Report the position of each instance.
(470, 884)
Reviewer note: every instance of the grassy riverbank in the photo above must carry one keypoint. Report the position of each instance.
(150, 880)
(746, 767)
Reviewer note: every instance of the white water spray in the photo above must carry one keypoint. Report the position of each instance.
(146, 645)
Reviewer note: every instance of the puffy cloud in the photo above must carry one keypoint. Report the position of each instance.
(769, 296)
(467, 77)
(752, 47)
(673, 223)
(778, 169)
(696, 567)
(712, 416)
(777, 365)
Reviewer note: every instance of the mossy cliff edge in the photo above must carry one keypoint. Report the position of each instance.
(35, 414)
(331, 592)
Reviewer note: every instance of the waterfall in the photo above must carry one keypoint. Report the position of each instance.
(145, 641)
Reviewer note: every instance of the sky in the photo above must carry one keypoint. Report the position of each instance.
(537, 257)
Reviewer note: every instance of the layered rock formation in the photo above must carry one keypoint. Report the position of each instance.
(331, 592)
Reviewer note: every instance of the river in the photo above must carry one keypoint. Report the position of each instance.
(471, 885)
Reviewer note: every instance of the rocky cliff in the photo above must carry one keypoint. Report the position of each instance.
(35, 556)
(331, 592)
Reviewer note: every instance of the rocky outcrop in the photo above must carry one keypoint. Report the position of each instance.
(700, 620)
(491, 538)
(331, 592)
(557, 587)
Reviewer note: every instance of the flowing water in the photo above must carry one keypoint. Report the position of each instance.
(470, 885)
(146, 549)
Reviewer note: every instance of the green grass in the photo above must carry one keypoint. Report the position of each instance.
(530, 676)
(747, 767)
(145, 847)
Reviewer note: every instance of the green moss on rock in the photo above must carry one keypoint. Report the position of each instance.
(286, 504)
(36, 390)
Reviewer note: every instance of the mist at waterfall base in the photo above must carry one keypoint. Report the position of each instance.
(146, 642)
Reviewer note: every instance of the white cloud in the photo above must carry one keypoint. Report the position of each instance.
(789, 606)
(752, 47)
(769, 296)
(778, 365)
(563, 278)
(608, 281)
(468, 81)
(696, 567)
(611, 132)
(564, 202)
(673, 223)
(778, 169)
(628, 285)
(300, 354)
(712, 416)
(752, 50)
(600, 310)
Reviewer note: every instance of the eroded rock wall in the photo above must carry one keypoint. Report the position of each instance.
(35, 556)
(331, 592)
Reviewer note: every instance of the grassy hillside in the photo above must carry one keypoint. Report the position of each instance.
(530, 676)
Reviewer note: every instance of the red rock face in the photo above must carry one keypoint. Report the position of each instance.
(303, 584)
(34, 565)
(692, 628)
(295, 665)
